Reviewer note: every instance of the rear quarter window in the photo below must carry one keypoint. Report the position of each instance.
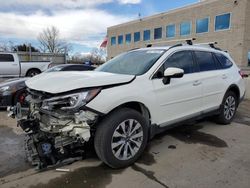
(223, 60)
(6, 58)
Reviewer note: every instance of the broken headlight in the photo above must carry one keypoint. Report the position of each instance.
(71, 101)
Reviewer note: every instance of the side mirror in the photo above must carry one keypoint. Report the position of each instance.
(172, 73)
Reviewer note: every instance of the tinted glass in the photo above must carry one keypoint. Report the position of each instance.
(128, 38)
(202, 25)
(224, 61)
(137, 36)
(6, 58)
(170, 29)
(158, 33)
(146, 35)
(132, 63)
(249, 58)
(222, 22)
(205, 61)
(182, 60)
(185, 28)
(120, 39)
(113, 41)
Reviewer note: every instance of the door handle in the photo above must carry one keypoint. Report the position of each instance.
(224, 76)
(196, 83)
(14, 64)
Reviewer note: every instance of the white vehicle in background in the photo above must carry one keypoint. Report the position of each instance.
(126, 101)
(10, 66)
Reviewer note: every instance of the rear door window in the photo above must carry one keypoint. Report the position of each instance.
(205, 61)
(6, 58)
(224, 61)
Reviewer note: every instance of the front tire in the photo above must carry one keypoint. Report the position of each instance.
(228, 108)
(121, 138)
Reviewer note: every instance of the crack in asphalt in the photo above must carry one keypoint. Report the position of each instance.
(149, 174)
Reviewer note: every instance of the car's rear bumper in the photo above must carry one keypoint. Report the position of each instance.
(5, 100)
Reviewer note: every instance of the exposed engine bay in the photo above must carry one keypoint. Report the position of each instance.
(57, 127)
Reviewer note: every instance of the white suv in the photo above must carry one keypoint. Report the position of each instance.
(125, 102)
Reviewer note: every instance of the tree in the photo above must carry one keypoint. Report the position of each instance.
(50, 41)
(25, 48)
(97, 56)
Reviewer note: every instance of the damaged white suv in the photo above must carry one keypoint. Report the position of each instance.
(126, 101)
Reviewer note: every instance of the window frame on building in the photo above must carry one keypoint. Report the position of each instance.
(126, 38)
(120, 39)
(208, 18)
(169, 37)
(230, 22)
(135, 34)
(190, 28)
(155, 33)
(145, 35)
(113, 42)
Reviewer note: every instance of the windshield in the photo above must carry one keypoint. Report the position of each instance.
(55, 68)
(132, 63)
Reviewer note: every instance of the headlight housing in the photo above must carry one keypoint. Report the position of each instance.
(4, 88)
(71, 101)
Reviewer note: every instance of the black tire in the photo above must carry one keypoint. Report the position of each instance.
(222, 117)
(33, 72)
(104, 137)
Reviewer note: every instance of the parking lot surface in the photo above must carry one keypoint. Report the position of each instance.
(203, 155)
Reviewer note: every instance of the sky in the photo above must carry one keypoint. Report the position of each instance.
(82, 23)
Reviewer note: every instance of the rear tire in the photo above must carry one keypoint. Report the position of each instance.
(121, 138)
(33, 72)
(228, 108)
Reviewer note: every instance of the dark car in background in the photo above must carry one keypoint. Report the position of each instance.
(14, 90)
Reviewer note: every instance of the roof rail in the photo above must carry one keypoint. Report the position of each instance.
(188, 41)
(210, 44)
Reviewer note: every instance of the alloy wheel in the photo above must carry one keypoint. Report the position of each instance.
(127, 139)
(229, 107)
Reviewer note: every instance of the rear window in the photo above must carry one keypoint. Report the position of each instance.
(205, 61)
(224, 61)
(6, 58)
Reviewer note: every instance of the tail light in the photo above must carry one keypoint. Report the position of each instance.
(242, 74)
(50, 65)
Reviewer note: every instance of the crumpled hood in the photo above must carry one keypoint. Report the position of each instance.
(59, 82)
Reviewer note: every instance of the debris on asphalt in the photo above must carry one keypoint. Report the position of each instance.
(62, 170)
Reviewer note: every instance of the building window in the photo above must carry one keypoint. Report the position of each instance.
(202, 25)
(158, 33)
(128, 38)
(146, 35)
(113, 41)
(222, 22)
(249, 58)
(170, 31)
(120, 39)
(185, 28)
(137, 36)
